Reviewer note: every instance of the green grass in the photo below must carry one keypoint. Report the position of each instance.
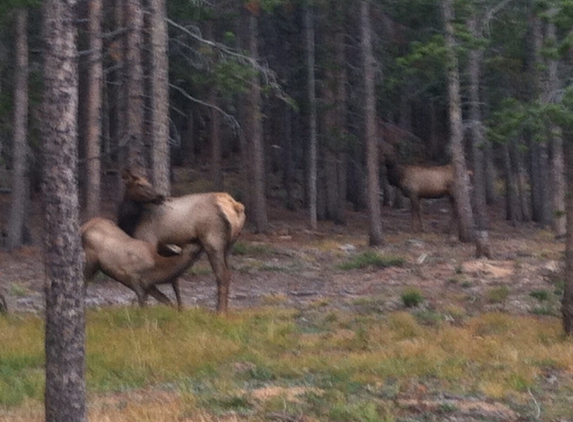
(371, 259)
(412, 297)
(342, 366)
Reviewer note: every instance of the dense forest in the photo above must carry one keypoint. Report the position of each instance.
(279, 91)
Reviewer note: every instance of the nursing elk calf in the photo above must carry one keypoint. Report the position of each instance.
(134, 263)
(419, 182)
(212, 221)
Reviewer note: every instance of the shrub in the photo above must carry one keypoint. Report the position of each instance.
(498, 294)
(412, 297)
(541, 295)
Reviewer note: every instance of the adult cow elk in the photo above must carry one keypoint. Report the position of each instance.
(213, 221)
(134, 263)
(419, 182)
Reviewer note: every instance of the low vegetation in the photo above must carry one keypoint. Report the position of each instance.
(371, 259)
(278, 364)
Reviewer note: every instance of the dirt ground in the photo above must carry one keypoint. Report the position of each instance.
(293, 266)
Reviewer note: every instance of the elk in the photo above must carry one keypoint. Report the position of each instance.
(419, 182)
(134, 263)
(213, 221)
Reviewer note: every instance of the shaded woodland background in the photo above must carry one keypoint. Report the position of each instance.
(237, 96)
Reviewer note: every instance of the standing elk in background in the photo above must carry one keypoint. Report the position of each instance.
(134, 263)
(213, 221)
(419, 182)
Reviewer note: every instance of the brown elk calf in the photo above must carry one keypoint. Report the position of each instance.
(134, 263)
(420, 182)
(213, 221)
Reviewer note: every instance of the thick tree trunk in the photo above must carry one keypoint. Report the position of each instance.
(116, 92)
(255, 139)
(463, 203)
(567, 301)
(160, 157)
(19, 197)
(478, 141)
(312, 132)
(556, 143)
(65, 393)
(93, 112)
(539, 156)
(133, 21)
(373, 182)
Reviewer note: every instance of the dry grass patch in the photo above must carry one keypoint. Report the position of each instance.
(158, 364)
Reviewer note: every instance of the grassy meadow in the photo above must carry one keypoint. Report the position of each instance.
(265, 364)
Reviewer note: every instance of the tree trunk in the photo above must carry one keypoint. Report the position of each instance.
(19, 197)
(255, 140)
(65, 391)
(478, 141)
(490, 175)
(216, 166)
(93, 112)
(463, 203)
(133, 21)
(539, 170)
(116, 92)
(373, 185)
(160, 157)
(567, 301)
(512, 208)
(556, 143)
(312, 133)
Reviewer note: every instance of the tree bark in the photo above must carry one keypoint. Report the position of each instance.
(19, 197)
(160, 154)
(312, 133)
(556, 144)
(94, 102)
(463, 203)
(65, 392)
(133, 21)
(376, 237)
(255, 140)
(478, 142)
(567, 300)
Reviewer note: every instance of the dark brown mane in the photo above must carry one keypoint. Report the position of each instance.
(129, 215)
(138, 193)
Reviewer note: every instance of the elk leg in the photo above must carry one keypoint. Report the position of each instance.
(177, 291)
(218, 260)
(141, 294)
(454, 221)
(416, 213)
(158, 294)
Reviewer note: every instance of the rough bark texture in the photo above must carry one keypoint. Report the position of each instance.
(567, 301)
(556, 143)
(93, 124)
(539, 162)
(19, 166)
(64, 288)
(255, 138)
(478, 140)
(160, 157)
(376, 237)
(133, 21)
(463, 203)
(312, 155)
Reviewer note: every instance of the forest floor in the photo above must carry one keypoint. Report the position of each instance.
(295, 267)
